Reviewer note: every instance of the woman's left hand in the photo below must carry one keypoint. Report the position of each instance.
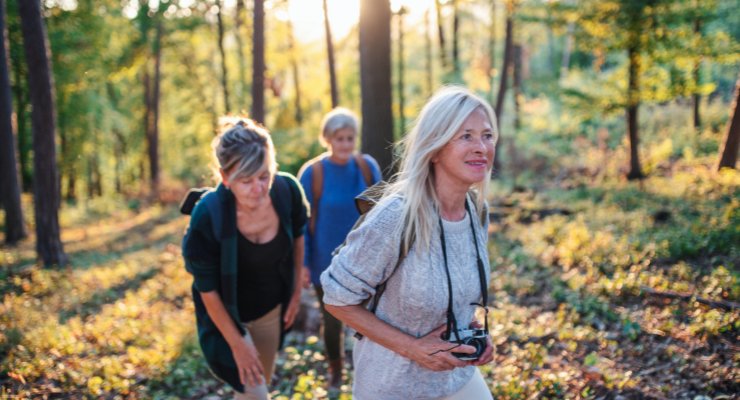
(292, 311)
(487, 355)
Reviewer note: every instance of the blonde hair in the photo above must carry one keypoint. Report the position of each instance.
(242, 146)
(333, 121)
(437, 123)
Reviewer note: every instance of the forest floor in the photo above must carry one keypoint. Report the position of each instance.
(607, 290)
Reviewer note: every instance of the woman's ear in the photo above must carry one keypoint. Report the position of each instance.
(224, 178)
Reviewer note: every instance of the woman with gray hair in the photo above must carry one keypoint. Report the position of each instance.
(331, 181)
(424, 244)
(244, 248)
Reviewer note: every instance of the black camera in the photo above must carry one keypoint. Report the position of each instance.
(477, 338)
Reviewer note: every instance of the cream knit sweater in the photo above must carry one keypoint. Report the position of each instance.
(415, 299)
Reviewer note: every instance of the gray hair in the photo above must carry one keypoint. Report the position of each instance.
(437, 123)
(335, 120)
(242, 146)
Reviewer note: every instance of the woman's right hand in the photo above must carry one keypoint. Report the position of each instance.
(247, 363)
(434, 353)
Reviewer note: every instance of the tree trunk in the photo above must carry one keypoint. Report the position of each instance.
(25, 144)
(68, 161)
(729, 154)
(633, 105)
(428, 54)
(119, 144)
(401, 97)
(242, 86)
(224, 69)
(567, 49)
(71, 192)
(508, 50)
(508, 55)
(375, 82)
(697, 78)
(258, 60)
(491, 52)
(119, 154)
(456, 41)
(330, 59)
(152, 131)
(46, 177)
(296, 76)
(441, 36)
(551, 58)
(15, 229)
(517, 86)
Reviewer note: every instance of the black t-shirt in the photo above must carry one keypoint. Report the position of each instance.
(259, 285)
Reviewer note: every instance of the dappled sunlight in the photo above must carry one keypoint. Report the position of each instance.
(130, 339)
(580, 310)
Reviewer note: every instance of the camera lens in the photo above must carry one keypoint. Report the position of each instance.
(478, 343)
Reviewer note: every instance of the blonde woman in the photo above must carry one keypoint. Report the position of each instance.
(244, 248)
(413, 344)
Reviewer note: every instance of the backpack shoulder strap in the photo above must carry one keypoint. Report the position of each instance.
(364, 168)
(317, 187)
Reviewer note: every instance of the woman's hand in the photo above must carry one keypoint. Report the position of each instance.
(487, 355)
(433, 353)
(293, 306)
(247, 363)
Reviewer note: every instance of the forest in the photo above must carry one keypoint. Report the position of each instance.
(614, 239)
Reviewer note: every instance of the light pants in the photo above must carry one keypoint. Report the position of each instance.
(264, 333)
(475, 389)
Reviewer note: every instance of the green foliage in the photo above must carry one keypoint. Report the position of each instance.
(573, 245)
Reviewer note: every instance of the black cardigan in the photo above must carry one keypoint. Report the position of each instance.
(210, 253)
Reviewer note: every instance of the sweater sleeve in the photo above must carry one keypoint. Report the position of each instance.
(367, 259)
(201, 250)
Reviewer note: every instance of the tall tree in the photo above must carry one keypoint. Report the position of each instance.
(224, 69)
(375, 81)
(43, 119)
(296, 76)
(152, 100)
(258, 62)
(456, 40)
(697, 76)
(634, 11)
(428, 54)
(491, 52)
(505, 69)
(506, 63)
(10, 190)
(330, 58)
(441, 35)
(401, 97)
(242, 86)
(567, 49)
(732, 143)
(19, 72)
(517, 84)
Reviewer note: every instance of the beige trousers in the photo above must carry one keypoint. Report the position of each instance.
(475, 389)
(264, 333)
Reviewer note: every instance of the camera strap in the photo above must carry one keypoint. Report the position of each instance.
(451, 320)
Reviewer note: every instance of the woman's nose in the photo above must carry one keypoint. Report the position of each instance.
(479, 145)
